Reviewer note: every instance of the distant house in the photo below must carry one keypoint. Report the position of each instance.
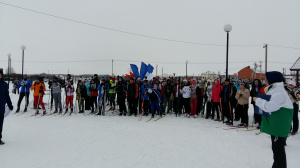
(250, 74)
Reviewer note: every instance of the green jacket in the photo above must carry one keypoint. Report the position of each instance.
(280, 109)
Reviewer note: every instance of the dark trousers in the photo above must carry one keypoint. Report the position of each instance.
(87, 102)
(295, 118)
(1, 124)
(199, 106)
(242, 110)
(186, 102)
(208, 109)
(226, 110)
(121, 103)
(279, 155)
(176, 105)
(112, 97)
(146, 106)
(132, 105)
(22, 95)
(93, 102)
(215, 107)
(257, 117)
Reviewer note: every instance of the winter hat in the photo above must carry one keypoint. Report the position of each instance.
(227, 80)
(1, 71)
(25, 75)
(273, 77)
(102, 79)
(242, 83)
(292, 83)
(145, 81)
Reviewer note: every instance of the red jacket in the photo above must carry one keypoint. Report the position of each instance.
(217, 89)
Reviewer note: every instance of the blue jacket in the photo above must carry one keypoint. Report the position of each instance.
(4, 96)
(25, 85)
(87, 85)
(143, 90)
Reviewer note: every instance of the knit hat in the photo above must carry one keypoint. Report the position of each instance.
(227, 80)
(273, 77)
(292, 83)
(242, 83)
(1, 71)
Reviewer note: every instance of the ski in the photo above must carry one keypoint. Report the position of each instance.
(258, 133)
(159, 118)
(150, 119)
(252, 129)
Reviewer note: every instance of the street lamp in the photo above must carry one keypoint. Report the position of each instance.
(227, 28)
(23, 48)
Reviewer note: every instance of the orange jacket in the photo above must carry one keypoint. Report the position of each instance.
(37, 87)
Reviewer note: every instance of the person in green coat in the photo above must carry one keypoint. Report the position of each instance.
(276, 109)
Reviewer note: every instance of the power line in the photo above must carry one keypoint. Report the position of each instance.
(135, 34)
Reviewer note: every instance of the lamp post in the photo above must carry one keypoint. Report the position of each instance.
(186, 62)
(227, 29)
(23, 48)
(8, 68)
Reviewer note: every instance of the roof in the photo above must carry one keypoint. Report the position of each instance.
(296, 66)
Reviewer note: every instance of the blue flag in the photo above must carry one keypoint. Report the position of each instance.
(150, 69)
(143, 70)
(135, 70)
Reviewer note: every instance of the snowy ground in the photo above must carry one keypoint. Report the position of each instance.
(79, 141)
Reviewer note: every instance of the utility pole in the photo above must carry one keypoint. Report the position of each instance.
(112, 67)
(260, 70)
(266, 59)
(186, 69)
(162, 72)
(156, 69)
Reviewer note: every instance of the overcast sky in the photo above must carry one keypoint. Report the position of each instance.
(52, 42)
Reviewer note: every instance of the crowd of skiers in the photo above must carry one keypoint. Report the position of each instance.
(225, 101)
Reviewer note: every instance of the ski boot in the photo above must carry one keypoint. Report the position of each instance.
(217, 119)
(18, 110)
(44, 112)
(2, 142)
(25, 110)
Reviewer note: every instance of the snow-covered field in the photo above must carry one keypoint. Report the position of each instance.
(80, 141)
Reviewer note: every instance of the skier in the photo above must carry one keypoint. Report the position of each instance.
(56, 92)
(160, 88)
(121, 95)
(112, 93)
(233, 101)
(194, 98)
(25, 85)
(199, 93)
(242, 96)
(155, 100)
(216, 99)
(39, 89)
(70, 95)
(208, 94)
(176, 103)
(277, 112)
(94, 94)
(88, 95)
(186, 94)
(145, 97)
(81, 95)
(4, 99)
(101, 96)
(291, 90)
(256, 85)
(168, 96)
(16, 82)
(132, 97)
(226, 95)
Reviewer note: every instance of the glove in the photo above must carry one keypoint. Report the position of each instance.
(34, 84)
(254, 99)
(11, 107)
